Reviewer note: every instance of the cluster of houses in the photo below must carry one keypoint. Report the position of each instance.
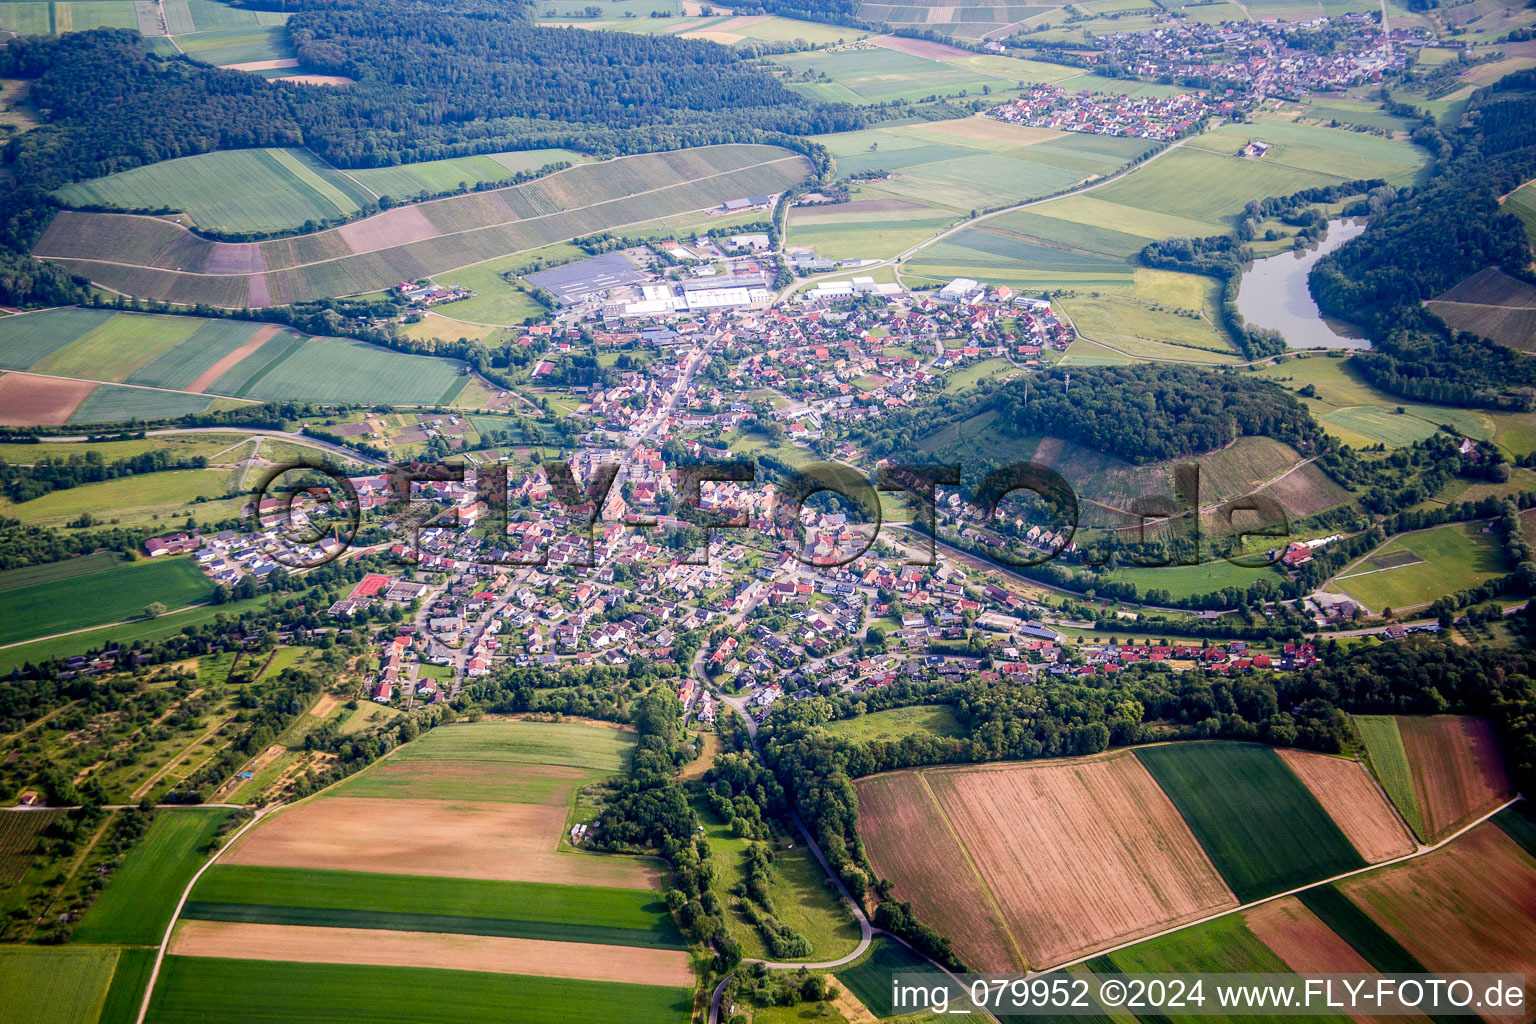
(1159, 118)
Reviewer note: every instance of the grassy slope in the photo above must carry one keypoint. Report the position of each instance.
(1264, 831)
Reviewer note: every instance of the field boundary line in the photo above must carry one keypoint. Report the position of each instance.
(104, 625)
(165, 941)
(344, 174)
(997, 911)
(1422, 851)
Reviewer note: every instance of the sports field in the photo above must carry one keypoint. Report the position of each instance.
(155, 258)
(1262, 828)
(142, 895)
(1416, 568)
(112, 593)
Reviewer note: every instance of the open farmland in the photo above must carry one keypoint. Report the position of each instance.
(1389, 760)
(1307, 945)
(115, 592)
(170, 365)
(48, 985)
(1354, 801)
(1473, 902)
(1108, 859)
(1262, 828)
(32, 401)
(201, 990)
(1458, 770)
(139, 901)
(428, 869)
(464, 906)
(269, 190)
(20, 834)
(154, 258)
(1494, 305)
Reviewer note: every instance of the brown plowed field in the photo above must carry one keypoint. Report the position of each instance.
(857, 206)
(1080, 855)
(910, 844)
(921, 47)
(494, 954)
(1468, 907)
(392, 227)
(27, 400)
(510, 842)
(1355, 803)
(1308, 946)
(1458, 770)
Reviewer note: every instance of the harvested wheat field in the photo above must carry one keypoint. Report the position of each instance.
(510, 842)
(1080, 855)
(1354, 802)
(1458, 770)
(493, 954)
(1469, 906)
(910, 844)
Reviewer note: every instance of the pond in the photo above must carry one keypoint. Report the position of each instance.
(1274, 294)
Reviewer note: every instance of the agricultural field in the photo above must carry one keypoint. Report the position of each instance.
(449, 855)
(918, 720)
(1468, 903)
(1492, 304)
(137, 904)
(158, 259)
(1260, 825)
(173, 365)
(20, 835)
(1357, 805)
(1414, 569)
(274, 190)
(109, 593)
(49, 985)
(1458, 770)
(208, 990)
(1389, 762)
(1044, 898)
(129, 979)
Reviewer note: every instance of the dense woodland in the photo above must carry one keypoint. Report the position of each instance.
(1417, 248)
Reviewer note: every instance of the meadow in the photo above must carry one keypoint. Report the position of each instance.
(1262, 828)
(146, 629)
(202, 990)
(1415, 569)
(109, 594)
(126, 994)
(128, 500)
(570, 913)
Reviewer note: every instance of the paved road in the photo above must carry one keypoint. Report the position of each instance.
(301, 439)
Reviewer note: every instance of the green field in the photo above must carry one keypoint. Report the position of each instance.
(116, 403)
(126, 995)
(899, 723)
(108, 594)
(30, 338)
(1322, 150)
(565, 743)
(346, 899)
(1451, 558)
(146, 629)
(1519, 823)
(39, 985)
(194, 990)
(1262, 828)
(1389, 761)
(241, 45)
(1360, 930)
(870, 977)
(137, 904)
(343, 370)
(432, 176)
(48, 572)
(230, 190)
